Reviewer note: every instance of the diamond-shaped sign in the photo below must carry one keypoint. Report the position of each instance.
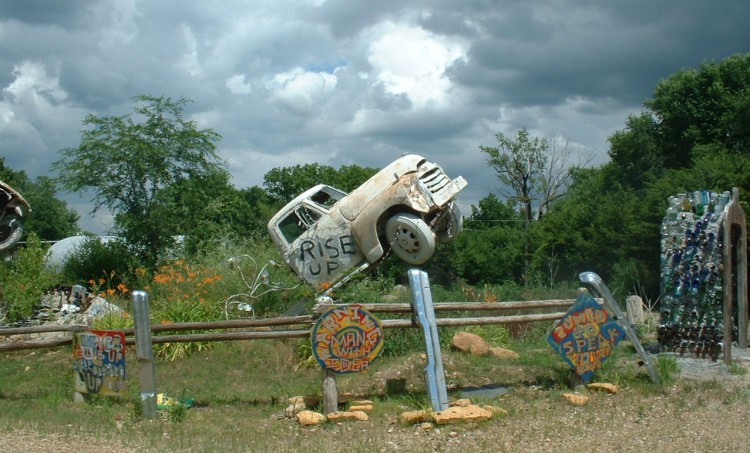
(585, 336)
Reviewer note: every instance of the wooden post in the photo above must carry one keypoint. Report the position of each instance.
(330, 393)
(735, 274)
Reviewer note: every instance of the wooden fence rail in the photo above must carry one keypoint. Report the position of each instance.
(304, 323)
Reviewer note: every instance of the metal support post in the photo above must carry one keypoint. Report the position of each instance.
(145, 354)
(611, 304)
(425, 318)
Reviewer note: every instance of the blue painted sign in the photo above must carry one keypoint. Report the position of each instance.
(585, 336)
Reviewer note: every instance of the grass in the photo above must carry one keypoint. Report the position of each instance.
(239, 388)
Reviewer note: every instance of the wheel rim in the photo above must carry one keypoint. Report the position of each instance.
(406, 239)
(410, 238)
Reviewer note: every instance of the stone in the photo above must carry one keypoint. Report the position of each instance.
(310, 418)
(469, 342)
(612, 389)
(467, 413)
(412, 417)
(576, 399)
(361, 407)
(461, 403)
(296, 400)
(294, 408)
(495, 410)
(502, 353)
(348, 415)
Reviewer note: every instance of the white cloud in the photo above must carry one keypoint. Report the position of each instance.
(410, 60)
(300, 91)
(237, 84)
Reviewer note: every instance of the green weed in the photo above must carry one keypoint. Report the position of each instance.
(667, 368)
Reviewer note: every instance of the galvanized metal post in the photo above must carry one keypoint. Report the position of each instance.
(611, 304)
(425, 318)
(145, 354)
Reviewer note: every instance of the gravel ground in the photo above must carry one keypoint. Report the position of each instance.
(707, 410)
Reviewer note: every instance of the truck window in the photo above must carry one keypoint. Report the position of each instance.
(299, 220)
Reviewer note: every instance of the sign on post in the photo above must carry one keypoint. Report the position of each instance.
(585, 336)
(99, 366)
(347, 339)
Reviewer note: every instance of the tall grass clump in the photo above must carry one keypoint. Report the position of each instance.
(24, 280)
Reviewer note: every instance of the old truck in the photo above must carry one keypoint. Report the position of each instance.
(325, 235)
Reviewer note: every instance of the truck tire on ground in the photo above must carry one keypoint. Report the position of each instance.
(410, 238)
(10, 233)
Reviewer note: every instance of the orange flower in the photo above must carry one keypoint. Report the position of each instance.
(102, 281)
(110, 291)
(162, 279)
(123, 289)
(91, 282)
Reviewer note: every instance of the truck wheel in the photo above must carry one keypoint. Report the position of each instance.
(450, 224)
(410, 238)
(10, 233)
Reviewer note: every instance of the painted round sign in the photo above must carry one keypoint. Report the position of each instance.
(347, 339)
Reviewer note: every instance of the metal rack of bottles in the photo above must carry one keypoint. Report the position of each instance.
(703, 304)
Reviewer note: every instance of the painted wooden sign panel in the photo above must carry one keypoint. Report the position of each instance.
(99, 365)
(347, 339)
(585, 336)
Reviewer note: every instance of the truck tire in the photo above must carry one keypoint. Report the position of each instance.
(10, 233)
(410, 238)
(450, 225)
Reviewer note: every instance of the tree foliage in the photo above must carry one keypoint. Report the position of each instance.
(51, 218)
(127, 161)
(282, 184)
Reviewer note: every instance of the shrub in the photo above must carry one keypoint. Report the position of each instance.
(25, 280)
(96, 263)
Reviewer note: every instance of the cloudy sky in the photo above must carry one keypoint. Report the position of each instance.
(343, 82)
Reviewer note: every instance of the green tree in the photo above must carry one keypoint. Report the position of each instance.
(284, 183)
(50, 218)
(127, 161)
(710, 105)
(491, 247)
(519, 164)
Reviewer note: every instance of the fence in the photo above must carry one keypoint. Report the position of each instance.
(422, 311)
(302, 323)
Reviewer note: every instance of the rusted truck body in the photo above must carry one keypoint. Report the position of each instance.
(325, 234)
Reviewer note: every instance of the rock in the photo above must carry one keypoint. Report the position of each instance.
(467, 413)
(502, 353)
(296, 400)
(461, 403)
(612, 389)
(361, 407)
(412, 417)
(469, 342)
(348, 415)
(310, 418)
(296, 405)
(576, 399)
(426, 426)
(495, 410)
(100, 307)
